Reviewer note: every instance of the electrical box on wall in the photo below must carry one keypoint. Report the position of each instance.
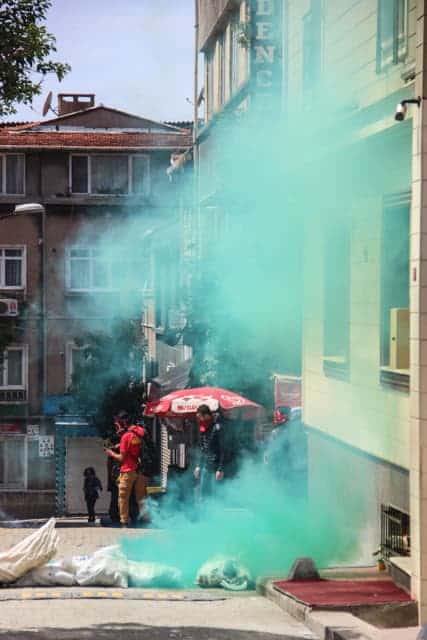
(399, 338)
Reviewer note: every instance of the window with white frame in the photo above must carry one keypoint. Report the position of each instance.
(235, 52)
(392, 32)
(13, 454)
(209, 81)
(13, 368)
(312, 46)
(12, 173)
(110, 174)
(74, 358)
(90, 269)
(12, 267)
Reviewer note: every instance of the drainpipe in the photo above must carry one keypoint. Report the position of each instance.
(36, 208)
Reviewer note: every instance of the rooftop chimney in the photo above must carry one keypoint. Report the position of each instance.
(71, 102)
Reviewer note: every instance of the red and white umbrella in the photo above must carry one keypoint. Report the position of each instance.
(185, 402)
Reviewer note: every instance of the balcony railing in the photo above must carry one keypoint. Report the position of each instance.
(13, 395)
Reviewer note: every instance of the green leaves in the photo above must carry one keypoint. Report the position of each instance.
(25, 50)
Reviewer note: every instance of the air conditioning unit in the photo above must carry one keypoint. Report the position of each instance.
(8, 307)
(399, 338)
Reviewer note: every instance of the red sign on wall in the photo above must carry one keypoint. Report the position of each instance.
(11, 427)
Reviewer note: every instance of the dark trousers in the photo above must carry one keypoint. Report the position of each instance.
(113, 511)
(207, 484)
(90, 502)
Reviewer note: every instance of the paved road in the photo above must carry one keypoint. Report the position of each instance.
(237, 618)
(245, 616)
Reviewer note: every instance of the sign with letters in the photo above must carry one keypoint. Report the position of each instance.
(266, 53)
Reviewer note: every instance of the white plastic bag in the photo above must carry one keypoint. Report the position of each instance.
(105, 568)
(51, 575)
(32, 552)
(153, 575)
(226, 573)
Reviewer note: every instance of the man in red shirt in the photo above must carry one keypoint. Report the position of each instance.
(129, 479)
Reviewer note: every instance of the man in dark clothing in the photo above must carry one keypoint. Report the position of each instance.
(210, 458)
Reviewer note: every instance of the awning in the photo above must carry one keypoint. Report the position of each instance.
(176, 378)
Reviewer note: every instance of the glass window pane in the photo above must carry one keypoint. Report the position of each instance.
(13, 252)
(15, 368)
(110, 174)
(2, 158)
(79, 253)
(13, 273)
(79, 274)
(79, 174)
(100, 274)
(14, 173)
(140, 174)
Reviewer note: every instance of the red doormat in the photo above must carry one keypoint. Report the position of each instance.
(343, 593)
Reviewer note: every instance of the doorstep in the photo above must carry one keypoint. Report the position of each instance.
(343, 624)
(400, 568)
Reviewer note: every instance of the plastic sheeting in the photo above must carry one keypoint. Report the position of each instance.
(33, 551)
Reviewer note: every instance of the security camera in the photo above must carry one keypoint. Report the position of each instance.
(401, 111)
(402, 108)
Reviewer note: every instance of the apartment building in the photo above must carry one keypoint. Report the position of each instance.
(96, 171)
(345, 66)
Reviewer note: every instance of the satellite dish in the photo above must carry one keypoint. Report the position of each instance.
(47, 104)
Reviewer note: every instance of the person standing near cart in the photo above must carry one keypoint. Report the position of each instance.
(130, 479)
(210, 456)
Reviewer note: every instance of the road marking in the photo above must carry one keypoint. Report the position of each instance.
(117, 594)
(26, 594)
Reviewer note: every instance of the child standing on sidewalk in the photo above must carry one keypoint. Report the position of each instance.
(91, 488)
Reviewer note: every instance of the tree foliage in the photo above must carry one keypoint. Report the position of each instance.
(25, 52)
(107, 377)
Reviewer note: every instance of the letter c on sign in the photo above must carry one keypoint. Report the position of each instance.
(264, 78)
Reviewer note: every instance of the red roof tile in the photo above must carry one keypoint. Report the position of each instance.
(84, 140)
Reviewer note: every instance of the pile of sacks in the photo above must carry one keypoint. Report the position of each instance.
(30, 563)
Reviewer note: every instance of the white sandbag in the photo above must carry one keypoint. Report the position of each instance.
(51, 575)
(32, 552)
(225, 573)
(153, 575)
(105, 568)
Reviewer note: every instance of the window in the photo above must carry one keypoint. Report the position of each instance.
(395, 285)
(75, 357)
(12, 267)
(392, 32)
(221, 74)
(235, 52)
(312, 46)
(90, 269)
(13, 453)
(209, 59)
(12, 171)
(13, 368)
(110, 174)
(336, 314)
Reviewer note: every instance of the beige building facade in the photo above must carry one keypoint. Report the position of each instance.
(346, 65)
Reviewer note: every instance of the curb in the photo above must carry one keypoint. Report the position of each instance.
(325, 624)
